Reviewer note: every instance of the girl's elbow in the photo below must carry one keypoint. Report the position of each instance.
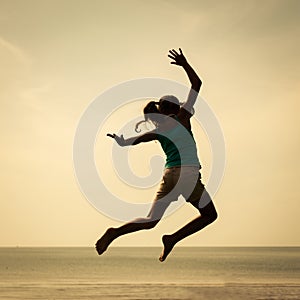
(196, 86)
(199, 83)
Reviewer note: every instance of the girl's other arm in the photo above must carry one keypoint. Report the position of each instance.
(195, 81)
(147, 137)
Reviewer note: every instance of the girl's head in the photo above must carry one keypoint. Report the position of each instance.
(169, 105)
(151, 112)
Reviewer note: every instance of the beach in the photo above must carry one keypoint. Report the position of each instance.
(136, 273)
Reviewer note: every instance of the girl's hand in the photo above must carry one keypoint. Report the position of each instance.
(179, 59)
(119, 139)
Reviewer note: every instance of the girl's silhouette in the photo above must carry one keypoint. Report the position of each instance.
(181, 175)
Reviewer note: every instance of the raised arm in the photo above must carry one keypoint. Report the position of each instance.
(180, 60)
(147, 137)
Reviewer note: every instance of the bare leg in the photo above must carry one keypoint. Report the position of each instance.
(154, 216)
(208, 215)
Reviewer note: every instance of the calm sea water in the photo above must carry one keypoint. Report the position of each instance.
(136, 273)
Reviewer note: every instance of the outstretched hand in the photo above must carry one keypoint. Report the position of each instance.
(178, 58)
(119, 139)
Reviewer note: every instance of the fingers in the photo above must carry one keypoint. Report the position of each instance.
(119, 139)
(172, 57)
(174, 52)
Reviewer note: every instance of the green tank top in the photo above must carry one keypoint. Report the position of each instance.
(179, 147)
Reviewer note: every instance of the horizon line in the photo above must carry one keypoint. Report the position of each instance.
(227, 246)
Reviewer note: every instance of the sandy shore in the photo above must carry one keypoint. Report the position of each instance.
(230, 291)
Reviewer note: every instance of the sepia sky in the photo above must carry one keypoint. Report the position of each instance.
(57, 56)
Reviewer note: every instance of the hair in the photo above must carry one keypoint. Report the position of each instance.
(168, 105)
(150, 114)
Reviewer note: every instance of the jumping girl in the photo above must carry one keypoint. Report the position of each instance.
(181, 175)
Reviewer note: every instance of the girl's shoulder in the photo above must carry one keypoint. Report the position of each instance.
(184, 117)
(168, 122)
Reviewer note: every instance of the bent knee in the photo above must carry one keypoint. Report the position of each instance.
(209, 212)
(213, 216)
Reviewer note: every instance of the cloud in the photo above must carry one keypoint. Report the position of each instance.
(14, 50)
(35, 97)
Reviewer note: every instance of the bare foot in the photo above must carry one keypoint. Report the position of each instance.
(105, 240)
(169, 243)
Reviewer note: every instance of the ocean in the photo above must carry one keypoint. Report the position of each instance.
(135, 273)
